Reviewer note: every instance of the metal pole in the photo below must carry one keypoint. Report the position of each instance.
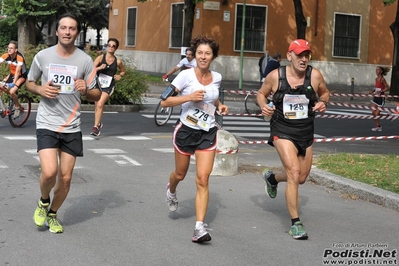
(352, 88)
(242, 44)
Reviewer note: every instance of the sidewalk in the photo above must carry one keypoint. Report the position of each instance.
(344, 185)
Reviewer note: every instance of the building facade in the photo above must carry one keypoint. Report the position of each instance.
(348, 38)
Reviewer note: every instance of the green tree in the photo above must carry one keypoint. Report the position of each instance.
(395, 60)
(26, 13)
(300, 20)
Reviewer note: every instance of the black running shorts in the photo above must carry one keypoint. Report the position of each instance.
(70, 143)
(187, 140)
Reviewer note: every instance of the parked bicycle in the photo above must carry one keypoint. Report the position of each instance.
(15, 119)
(251, 105)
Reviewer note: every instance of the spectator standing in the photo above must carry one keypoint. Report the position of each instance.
(273, 64)
(262, 65)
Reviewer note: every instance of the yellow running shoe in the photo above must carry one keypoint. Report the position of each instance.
(54, 224)
(40, 213)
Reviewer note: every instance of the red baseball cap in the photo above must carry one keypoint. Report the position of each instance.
(299, 46)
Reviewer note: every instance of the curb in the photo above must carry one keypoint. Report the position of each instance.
(363, 191)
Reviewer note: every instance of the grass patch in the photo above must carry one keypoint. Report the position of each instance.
(381, 171)
(154, 79)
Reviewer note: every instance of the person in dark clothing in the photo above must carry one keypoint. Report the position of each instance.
(262, 65)
(107, 67)
(273, 64)
(299, 91)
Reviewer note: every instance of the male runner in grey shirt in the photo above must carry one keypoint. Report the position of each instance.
(67, 73)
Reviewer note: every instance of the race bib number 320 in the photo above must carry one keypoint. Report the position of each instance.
(62, 77)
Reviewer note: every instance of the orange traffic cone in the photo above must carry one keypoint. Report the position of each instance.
(397, 109)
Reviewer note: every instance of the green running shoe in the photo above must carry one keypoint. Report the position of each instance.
(39, 217)
(297, 231)
(54, 224)
(270, 189)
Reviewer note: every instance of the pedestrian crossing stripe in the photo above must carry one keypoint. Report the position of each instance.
(20, 137)
(107, 151)
(123, 160)
(133, 138)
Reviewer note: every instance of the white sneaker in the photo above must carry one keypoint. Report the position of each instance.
(170, 200)
(377, 128)
(201, 234)
(17, 113)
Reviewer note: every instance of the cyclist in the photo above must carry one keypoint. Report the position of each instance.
(186, 63)
(18, 72)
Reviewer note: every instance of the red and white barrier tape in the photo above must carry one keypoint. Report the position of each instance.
(363, 95)
(330, 139)
(386, 117)
(253, 92)
(358, 106)
(226, 152)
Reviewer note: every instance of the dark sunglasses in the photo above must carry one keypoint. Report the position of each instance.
(111, 45)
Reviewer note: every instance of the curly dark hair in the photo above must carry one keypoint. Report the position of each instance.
(202, 39)
(384, 70)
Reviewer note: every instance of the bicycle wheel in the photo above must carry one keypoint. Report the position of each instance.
(162, 114)
(251, 106)
(24, 111)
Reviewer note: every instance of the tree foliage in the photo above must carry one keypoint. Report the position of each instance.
(31, 14)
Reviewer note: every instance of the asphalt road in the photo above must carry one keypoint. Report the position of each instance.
(115, 213)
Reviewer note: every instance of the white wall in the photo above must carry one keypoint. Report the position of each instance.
(229, 67)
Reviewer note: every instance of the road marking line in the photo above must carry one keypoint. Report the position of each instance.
(123, 160)
(107, 151)
(133, 138)
(20, 137)
(165, 150)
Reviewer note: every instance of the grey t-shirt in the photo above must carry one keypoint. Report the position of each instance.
(61, 114)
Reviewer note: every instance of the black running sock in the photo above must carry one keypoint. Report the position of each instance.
(51, 212)
(45, 200)
(293, 221)
(272, 180)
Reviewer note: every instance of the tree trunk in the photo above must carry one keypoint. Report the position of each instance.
(300, 20)
(26, 33)
(394, 86)
(189, 13)
(98, 39)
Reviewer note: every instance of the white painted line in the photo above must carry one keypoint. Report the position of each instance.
(87, 138)
(256, 129)
(133, 138)
(20, 137)
(107, 151)
(2, 165)
(31, 151)
(165, 150)
(123, 160)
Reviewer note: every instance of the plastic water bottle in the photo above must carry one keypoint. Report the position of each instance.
(267, 118)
